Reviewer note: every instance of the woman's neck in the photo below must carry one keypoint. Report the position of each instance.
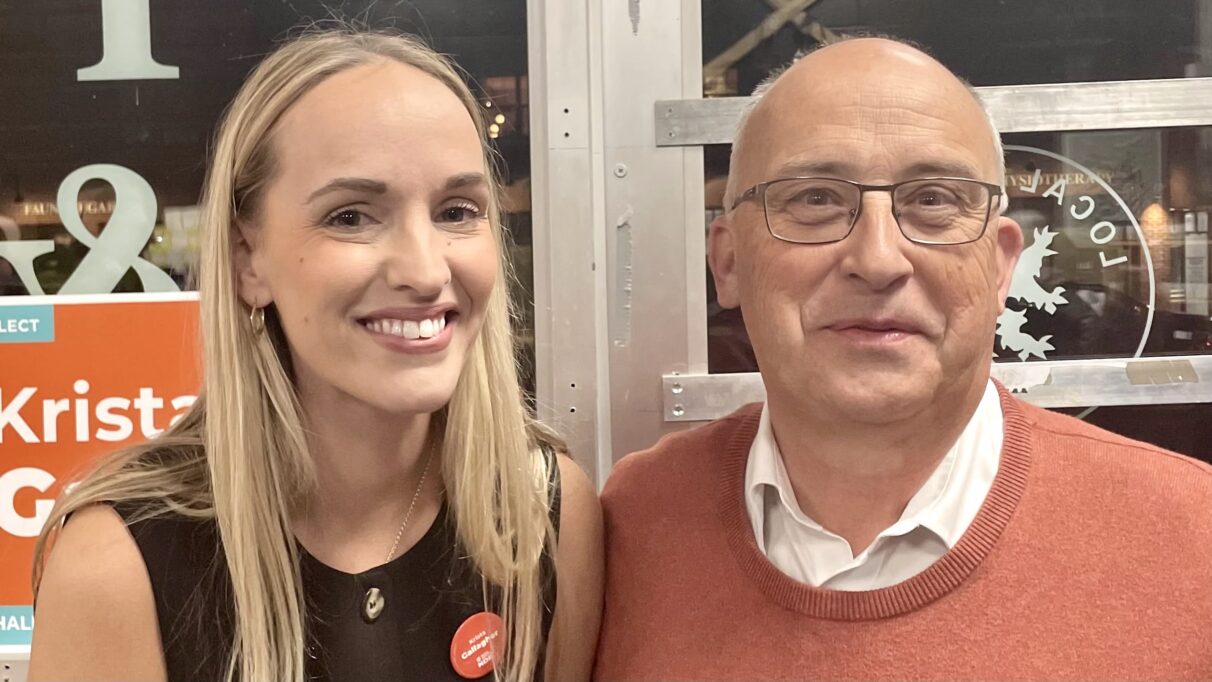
(368, 469)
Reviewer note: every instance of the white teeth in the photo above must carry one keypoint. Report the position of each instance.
(409, 329)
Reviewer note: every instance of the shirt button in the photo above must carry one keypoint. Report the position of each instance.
(373, 604)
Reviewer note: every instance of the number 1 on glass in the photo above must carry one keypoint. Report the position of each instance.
(126, 52)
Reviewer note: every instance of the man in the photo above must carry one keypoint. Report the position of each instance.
(890, 512)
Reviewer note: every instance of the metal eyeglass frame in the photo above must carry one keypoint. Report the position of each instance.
(759, 191)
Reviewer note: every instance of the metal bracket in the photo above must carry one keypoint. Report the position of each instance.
(1109, 105)
(1063, 383)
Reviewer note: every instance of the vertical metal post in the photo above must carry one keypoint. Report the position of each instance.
(653, 213)
(567, 188)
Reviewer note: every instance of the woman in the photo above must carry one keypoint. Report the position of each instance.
(358, 493)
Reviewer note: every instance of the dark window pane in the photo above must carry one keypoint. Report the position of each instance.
(1181, 428)
(986, 42)
(1116, 228)
(53, 123)
(160, 128)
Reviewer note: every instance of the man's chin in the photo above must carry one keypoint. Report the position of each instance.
(872, 397)
(868, 408)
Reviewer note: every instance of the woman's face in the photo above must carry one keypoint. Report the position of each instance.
(372, 240)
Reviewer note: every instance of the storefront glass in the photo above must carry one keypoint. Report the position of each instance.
(1115, 221)
(986, 42)
(131, 130)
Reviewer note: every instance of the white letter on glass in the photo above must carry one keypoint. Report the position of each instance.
(126, 45)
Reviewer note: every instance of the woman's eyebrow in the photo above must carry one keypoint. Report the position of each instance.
(357, 184)
(465, 179)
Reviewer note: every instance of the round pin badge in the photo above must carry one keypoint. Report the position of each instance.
(476, 643)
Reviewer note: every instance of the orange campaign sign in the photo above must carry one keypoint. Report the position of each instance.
(80, 377)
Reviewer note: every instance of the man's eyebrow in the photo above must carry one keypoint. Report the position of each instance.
(955, 169)
(844, 170)
(356, 184)
(805, 168)
(465, 179)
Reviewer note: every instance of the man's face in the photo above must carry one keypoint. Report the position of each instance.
(874, 327)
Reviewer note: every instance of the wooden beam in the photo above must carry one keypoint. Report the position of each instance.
(788, 11)
(809, 26)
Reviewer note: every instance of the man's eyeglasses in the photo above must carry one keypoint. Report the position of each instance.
(932, 211)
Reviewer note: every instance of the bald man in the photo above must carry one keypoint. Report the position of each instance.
(890, 512)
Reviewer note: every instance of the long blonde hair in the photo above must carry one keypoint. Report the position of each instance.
(240, 456)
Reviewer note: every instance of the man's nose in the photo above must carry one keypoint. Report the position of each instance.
(875, 250)
(416, 257)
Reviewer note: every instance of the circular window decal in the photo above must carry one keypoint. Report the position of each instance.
(1084, 285)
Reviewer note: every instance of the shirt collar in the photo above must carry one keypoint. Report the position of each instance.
(944, 505)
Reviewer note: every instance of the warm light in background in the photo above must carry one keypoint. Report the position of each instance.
(1155, 223)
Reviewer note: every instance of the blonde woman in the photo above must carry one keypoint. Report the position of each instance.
(358, 494)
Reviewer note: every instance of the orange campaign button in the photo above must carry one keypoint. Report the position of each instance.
(475, 645)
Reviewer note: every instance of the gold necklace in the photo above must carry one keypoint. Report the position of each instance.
(408, 514)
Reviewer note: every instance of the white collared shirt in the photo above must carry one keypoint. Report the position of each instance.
(933, 521)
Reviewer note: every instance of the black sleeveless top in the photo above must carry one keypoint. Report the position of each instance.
(401, 632)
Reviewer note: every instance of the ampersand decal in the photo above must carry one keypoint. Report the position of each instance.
(118, 247)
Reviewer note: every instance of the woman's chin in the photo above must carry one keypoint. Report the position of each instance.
(413, 402)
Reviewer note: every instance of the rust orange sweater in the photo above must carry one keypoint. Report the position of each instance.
(1091, 559)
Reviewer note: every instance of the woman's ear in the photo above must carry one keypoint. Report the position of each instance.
(252, 283)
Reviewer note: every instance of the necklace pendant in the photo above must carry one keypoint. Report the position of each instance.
(373, 605)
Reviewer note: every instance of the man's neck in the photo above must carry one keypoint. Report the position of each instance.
(856, 478)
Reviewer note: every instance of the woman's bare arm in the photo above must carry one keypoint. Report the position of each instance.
(579, 579)
(96, 616)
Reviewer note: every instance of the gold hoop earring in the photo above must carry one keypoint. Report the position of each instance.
(256, 320)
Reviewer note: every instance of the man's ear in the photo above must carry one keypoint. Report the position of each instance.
(721, 256)
(251, 281)
(1009, 246)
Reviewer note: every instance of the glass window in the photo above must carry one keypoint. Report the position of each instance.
(156, 130)
(1116, 227)
(1116, 251)
(147, 132)
(988, 43)
(1115, 262)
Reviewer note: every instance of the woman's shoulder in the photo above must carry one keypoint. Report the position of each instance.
(95, 602)
(169, 548)
(579, 539)
(579, 575)
(94, 548)
(575, 488)
(579, 526)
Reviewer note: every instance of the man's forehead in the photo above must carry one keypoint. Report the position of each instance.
(892, 132)
(884, 94)
(864, 61)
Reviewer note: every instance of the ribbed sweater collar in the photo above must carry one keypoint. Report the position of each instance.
(943, 576)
